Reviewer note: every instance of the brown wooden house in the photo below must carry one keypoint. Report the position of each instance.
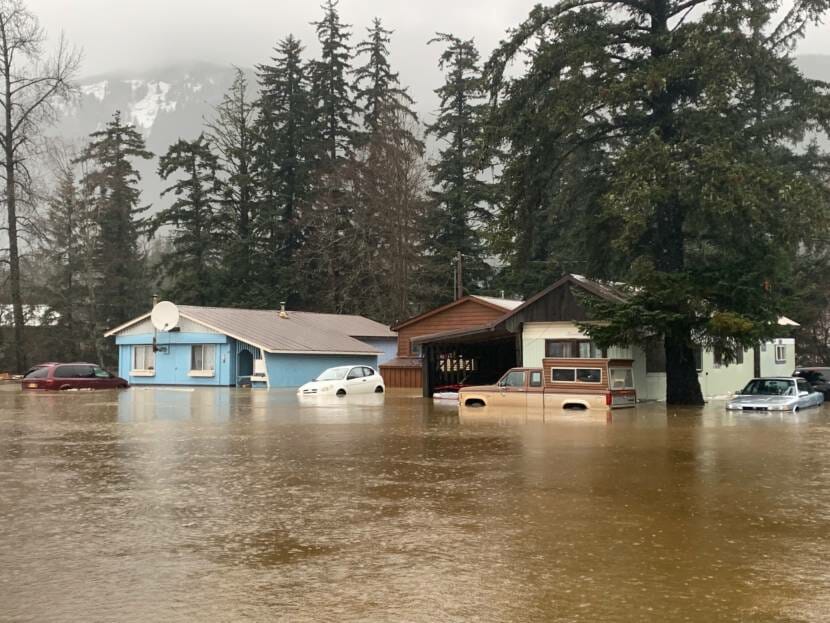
(469, 312)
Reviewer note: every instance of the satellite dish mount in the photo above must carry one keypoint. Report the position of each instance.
(165, 318)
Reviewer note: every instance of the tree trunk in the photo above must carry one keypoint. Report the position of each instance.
(14, 252)
(682, 383)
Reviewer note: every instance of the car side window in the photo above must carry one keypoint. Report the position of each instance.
(37, 373)
(100, 373)
(368, 372)
(536, 378)
(355, 373)
(804, 386)
(513, 379)
(65, 372)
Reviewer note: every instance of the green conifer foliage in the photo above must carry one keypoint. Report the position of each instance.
(191, 265)
(111, 187)
(461, 197)
(690, 110)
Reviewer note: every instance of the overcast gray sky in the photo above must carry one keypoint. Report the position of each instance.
(134, 35)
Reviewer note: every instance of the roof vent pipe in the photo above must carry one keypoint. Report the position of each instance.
(155, 300)
(283, 313)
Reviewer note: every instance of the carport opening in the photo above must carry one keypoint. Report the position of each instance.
(479, 361)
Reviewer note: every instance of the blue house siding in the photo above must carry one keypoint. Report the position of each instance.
(172, 362)
(388, 347)
(294, 370)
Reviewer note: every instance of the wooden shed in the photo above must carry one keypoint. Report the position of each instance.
(469, 312)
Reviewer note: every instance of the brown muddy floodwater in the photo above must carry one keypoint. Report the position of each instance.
(239, 505)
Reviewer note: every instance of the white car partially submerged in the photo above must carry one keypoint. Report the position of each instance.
(344, 380)
(775, 394)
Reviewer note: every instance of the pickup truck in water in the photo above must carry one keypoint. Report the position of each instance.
(559, 384)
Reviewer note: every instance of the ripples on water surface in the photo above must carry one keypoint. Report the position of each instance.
(227, 505)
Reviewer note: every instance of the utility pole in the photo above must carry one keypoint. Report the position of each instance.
(459, 276)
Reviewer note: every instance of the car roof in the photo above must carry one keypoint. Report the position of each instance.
(812, 368)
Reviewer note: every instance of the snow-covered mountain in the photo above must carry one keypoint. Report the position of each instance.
(165, 104)
(172, 102)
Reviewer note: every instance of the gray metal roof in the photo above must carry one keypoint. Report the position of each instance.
(300, 332)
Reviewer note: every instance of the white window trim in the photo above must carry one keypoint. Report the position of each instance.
(201, 373)
(142, 372)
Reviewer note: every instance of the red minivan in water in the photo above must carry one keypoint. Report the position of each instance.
(71, 376)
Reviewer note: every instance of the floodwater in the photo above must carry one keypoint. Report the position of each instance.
(240, 505)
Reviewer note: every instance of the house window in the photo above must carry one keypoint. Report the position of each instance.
(780, 353)
(718, 357)
(202, 358)
(144, 358)
(655, 356)
(572, 349)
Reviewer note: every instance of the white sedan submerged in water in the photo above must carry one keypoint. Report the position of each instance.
(775, 394)
(344, 380)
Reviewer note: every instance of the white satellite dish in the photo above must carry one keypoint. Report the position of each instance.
(165, 316)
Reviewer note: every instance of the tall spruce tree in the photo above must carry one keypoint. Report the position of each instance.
(332, 88)
(233, 137)
(191, 264)
(390, 204)
(327, 254)
(111, 185)
(64, 232)
(378, 92)
(285, 159)
(461, 196)
(695, 107)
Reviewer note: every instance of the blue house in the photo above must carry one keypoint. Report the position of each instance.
(226, 346)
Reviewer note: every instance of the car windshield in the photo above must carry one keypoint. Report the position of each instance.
(769, 387)
(334, 374)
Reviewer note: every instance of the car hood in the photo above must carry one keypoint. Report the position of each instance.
(762, 400)
(479, 388)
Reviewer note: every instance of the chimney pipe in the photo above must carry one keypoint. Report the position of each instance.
(155, 300)
(283, 313)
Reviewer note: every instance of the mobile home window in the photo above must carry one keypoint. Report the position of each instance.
(144, 358)
(589, 375)
(780, 353)
(203, 357)
(572, 349)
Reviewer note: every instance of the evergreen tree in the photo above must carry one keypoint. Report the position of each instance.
(460, 197)
(121, 284)
(378, 91)
(331, 87)
(327, 255)
(285, 159)
(63, 254)
(232, 134)
(191, 264)
(694, 109)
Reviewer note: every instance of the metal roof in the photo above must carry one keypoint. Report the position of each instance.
(507, 304)
(300, 332)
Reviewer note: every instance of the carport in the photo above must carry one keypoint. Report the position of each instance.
(470, 356)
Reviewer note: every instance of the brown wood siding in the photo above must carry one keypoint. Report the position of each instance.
(401, 377)
(602, 364)
(468, 314)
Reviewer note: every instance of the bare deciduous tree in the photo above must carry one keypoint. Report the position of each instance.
(32, 82)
